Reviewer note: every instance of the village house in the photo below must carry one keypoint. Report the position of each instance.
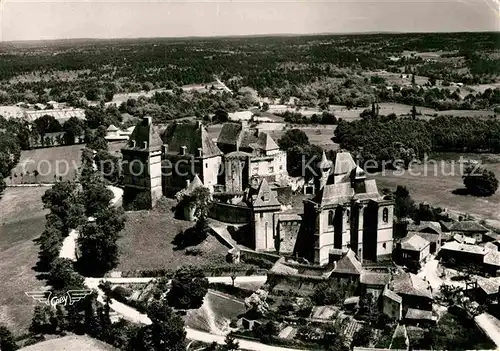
(463, 253)
(415, 292)
(373, 283)
(471, 229)
(392, 304)
(415, 248)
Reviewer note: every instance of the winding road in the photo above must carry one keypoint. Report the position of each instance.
(135, 316)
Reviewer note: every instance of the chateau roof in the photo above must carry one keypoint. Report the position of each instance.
(191, 135)
(348, 264)
(410, 284)
(324, 163)
(229, 134)
(144, 133)
(344, 163)
(195, 183)
(265, 197)
(343, 192)
(267, 143)
(414, 243)
(468, 226)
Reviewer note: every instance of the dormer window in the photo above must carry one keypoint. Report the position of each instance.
(265, 197)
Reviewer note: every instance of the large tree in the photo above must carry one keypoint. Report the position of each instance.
(293, 137)
(7, 342)
(98, 250)
(63, 201)
(166, 332)
(73, 128)
(62, 276)
(189, 287)
(480, 181)
(47, 124)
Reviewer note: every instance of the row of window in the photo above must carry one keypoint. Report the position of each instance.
(331, 216)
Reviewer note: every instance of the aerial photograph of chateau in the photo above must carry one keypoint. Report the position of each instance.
(249, 175)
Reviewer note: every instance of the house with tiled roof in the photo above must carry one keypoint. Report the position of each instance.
(471, 229)
(392, 304)
(348, 266)
(415, 248)
(414, 291)
(373, 282)
(461, 252)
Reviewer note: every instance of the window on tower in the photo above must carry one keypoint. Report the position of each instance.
(348, 214)
(331, 216)
(385, 215)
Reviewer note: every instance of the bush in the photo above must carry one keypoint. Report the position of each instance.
(194, 251)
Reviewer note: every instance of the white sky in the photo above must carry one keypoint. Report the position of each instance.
(37, 19)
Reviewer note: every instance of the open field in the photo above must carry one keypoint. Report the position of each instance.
(435, 186)
(61, 161)
(22, 215)
(146, 243)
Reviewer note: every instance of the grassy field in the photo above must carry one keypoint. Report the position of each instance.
(61, 161)
(436, 187)
(22, 215)
(146, 243)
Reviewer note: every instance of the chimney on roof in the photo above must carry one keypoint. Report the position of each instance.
(200, 152)
(183, 150)
(147, 121)
(145, 144)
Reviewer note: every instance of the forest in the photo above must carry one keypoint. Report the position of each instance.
(312, 68)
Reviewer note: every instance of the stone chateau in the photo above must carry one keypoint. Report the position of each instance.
(245, 170)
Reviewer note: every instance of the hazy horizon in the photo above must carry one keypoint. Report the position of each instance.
(99, 19)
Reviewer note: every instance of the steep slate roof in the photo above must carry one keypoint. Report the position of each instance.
(195, 183)
(344, 163)
(414, 243)
(375, 278)
(144, 132)
(468, 226)
(324, 163)
(267, 143)
(265, 196)
(348, 265)
(430, 237)
(192, 136)
(229, 134)
(425, 225)
(410, 284)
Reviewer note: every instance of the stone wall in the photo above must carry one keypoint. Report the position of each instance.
(230, 213)
(288, 230)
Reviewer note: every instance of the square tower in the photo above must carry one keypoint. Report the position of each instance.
(141, 167)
